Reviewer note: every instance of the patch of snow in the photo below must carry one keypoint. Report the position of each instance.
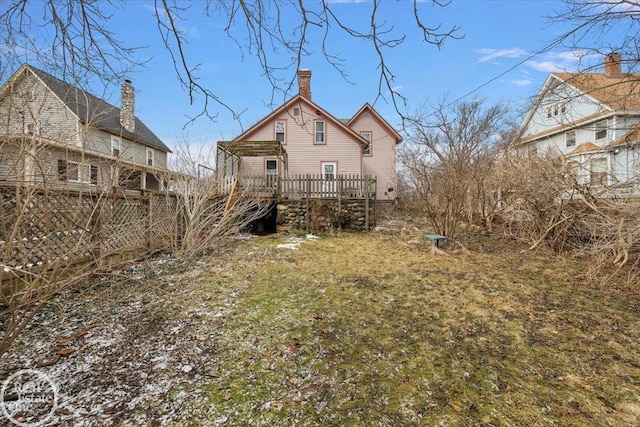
(292, 246)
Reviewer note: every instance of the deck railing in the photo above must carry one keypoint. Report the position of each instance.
(301, 186)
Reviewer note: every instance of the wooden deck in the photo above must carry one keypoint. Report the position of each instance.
(302, 186)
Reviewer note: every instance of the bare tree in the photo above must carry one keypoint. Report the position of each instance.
(72, 38)
(49, 238)
(549, 203)
(601, 27)
(208, 220)
(447, 164)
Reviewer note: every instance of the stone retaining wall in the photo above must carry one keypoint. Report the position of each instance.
(320, 215)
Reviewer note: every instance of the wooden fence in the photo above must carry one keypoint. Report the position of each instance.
(304, 186)
(40, 228)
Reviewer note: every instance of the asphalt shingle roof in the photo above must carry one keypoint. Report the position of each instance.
(618, 93)
(97, 112)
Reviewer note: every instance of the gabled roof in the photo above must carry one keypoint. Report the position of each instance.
(287, 106)
(93, 110)
(368, 108)
(617, 93)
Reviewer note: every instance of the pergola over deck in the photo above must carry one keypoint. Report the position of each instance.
(300, 186)
(230, 153)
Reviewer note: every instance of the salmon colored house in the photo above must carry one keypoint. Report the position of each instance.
(300, 137)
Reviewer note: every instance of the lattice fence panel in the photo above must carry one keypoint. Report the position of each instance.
(124, 224)
(50, 227)
(164, 224)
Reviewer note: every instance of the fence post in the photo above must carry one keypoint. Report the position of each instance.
(149, 223)
(96, 227)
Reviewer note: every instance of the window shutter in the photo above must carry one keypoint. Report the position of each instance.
(62, 170)
(94, 174)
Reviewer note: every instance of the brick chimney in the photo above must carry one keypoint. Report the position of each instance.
(127, 106)
(613, 65)
(304, 83)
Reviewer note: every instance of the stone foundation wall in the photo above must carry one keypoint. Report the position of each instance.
(318, 215)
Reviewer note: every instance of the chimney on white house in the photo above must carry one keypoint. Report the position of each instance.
(613, 65)
(127, 107)
(304, 83)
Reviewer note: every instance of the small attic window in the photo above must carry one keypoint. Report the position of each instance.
(296, 111)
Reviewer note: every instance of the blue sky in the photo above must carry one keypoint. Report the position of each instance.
(498, 35)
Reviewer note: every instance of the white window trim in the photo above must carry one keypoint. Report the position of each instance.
(32, 127)
(284, 131)
(153, 159)
(604, 182)
(116, 144)
(601, 126)
(323, 132)
(266, 169)
(335, 169)
(367, 152)
(566, 138)
(84, 177)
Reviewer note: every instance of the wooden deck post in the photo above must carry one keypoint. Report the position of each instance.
(339, 195)
(368, 194)
(306, 215)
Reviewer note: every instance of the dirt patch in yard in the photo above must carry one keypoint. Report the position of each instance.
(356, 329)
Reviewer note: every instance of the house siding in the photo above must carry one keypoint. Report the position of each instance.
(304, 156)
(585, 115)
(54, 120)
(382, 162)
(576, 104)
(99, 141)
(60, 135)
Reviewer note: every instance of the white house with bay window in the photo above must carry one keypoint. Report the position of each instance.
(593, 120)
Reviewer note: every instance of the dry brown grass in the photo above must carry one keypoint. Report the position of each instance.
(359, 329)
(370, 330)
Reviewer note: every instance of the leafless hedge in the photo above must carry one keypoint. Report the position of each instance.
(545, 203)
